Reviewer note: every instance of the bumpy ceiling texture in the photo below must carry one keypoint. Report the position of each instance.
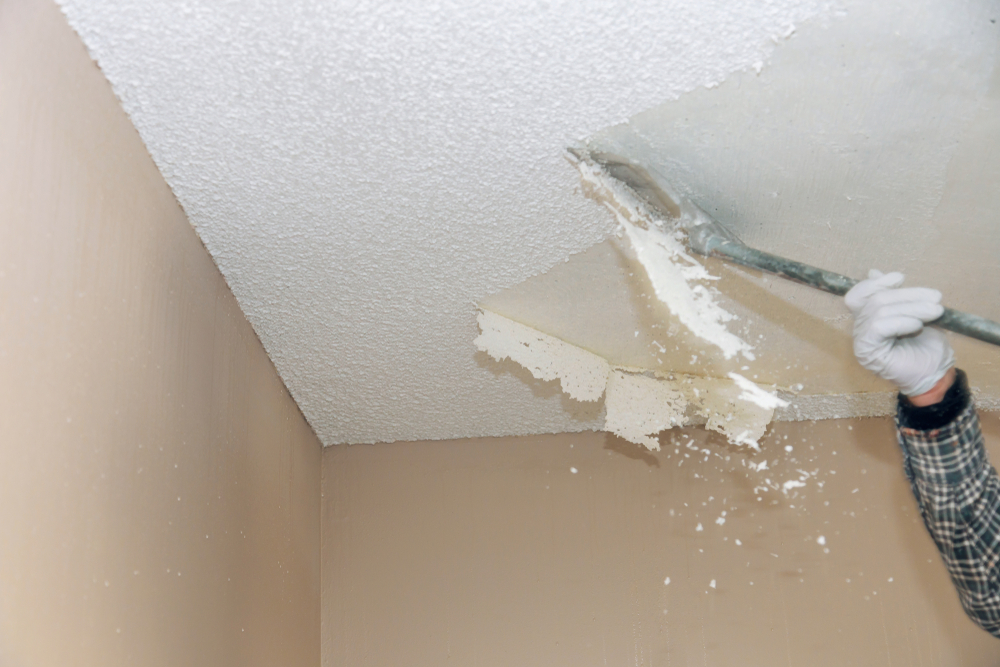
(364, 172)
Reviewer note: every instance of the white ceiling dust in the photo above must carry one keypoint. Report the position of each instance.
(364, 172)
(639, 405)
(750, 391)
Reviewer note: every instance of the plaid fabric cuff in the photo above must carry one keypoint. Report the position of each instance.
(948, 455)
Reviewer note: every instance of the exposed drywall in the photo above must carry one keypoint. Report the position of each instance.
(363, 172)
(865, 142)
(555, 550)
(159, 489)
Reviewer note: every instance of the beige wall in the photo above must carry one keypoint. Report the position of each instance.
(493, 552)
(159, 490)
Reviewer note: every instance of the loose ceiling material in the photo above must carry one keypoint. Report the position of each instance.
(866, 143)
(363, 173)
(639, 402)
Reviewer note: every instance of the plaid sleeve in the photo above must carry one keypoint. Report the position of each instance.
(959, 497)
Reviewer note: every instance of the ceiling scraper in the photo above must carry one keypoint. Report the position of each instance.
(709, 238)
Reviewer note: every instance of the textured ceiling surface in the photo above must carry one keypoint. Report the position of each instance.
(364, 172)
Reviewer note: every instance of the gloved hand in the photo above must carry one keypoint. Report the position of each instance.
(889, 334)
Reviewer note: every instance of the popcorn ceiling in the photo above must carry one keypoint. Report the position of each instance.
(363, 172)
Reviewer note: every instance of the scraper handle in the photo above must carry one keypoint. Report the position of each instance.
(966, 324)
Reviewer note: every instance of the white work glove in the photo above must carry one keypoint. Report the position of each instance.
(889, 334)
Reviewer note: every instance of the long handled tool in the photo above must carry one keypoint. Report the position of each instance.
(707, 237)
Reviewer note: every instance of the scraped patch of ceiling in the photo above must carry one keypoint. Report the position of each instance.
(363, 172)
(868, 142)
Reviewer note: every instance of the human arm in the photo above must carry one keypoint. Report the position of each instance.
(957, 490)
(958, 493)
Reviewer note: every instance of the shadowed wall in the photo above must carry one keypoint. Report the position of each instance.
(159, 489)
(494, 552)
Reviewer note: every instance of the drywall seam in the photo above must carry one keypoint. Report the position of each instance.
(984, 401)
(805, 407)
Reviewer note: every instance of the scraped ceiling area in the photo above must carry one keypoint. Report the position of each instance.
(366, 175)
(866, 142)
